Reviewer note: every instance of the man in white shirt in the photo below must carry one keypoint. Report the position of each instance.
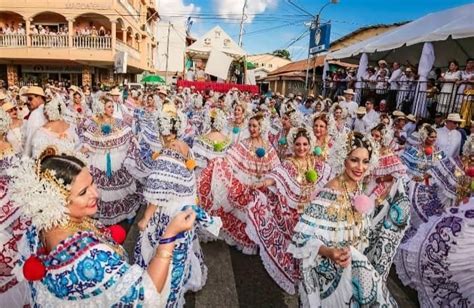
(395, 77)
(360, 125)
(371, 117)
(118, 106)
(393, 81)
(36, 119)
(449, 138)
(349, 104)
(20, 30)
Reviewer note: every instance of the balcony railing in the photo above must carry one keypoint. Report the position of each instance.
(92, 42)
(49, 41)
(12, 40)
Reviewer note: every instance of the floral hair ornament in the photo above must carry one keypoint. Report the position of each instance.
(98, 105)
(172, 121)
(5, 122)
(197, 101)
(41, 195)
(54, 109)
(468, 148)
(423, 132)
(215, 119)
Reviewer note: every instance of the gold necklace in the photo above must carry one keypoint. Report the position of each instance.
(89, 224)
(302, 167)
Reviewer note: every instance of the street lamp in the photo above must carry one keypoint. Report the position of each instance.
(315, 24)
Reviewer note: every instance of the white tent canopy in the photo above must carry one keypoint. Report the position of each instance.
(215, 39)
(451, 32)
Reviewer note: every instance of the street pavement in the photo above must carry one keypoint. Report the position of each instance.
(238, 280)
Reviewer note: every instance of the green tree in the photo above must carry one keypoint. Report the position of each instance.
(282, 53)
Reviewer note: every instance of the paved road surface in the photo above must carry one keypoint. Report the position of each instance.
(237, 280)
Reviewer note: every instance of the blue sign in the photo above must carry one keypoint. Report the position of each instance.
(319, 38)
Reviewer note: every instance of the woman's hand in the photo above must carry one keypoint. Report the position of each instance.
(183, 221)
(264, 184)
(142, 224)
(340, 256)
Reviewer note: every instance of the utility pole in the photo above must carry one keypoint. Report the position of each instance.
(314, 64)
(242, 23)
(315, 25)
(167, 52)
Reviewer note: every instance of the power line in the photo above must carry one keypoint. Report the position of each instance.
(263, 30)
(300, 8)
(295, 40)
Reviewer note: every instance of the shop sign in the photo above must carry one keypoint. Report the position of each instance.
(40, 68)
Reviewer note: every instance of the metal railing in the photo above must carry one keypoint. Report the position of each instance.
(92, 42)
(420, 98)
(12, 40)
(49, 41)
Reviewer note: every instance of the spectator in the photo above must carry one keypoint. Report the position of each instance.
(438, 120)
(382, 68)
(20, 30)
(407, 85)
(371, 116)
(394, 82)
(449, 80)
(349, 104)
(449, 138)
(360, 125)
(431, 97)
(190, 74)
(102, 31)
(381, 86)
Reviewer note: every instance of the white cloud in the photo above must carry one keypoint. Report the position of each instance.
(175, 8)
(232, 9)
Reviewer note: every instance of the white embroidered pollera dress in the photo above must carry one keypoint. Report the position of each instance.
(67, 141)
(438, 262)
(275, 212)
(13, 225)
(225, 189)
(140, 158)
(108, 146)
(171, 186)
(332, 221)
(88, 269)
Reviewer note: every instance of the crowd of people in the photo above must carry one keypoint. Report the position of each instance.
(397, 84)
(91, 30)
(329, 193)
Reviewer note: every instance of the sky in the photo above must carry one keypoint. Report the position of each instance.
(278, 24)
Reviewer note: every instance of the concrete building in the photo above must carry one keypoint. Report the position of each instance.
(81, 41)
(265, 63)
